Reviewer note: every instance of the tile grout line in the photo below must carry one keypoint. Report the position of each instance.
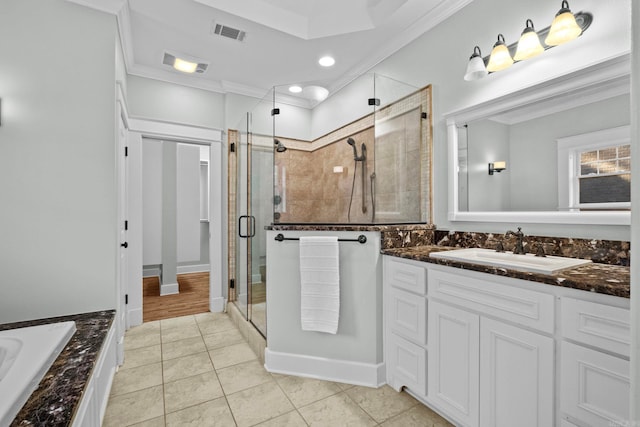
(164, 403)
(224, 394)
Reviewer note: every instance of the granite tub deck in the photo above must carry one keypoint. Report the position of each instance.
(58, 395)
(596, 277)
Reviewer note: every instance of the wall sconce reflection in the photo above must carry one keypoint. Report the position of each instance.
(497, 167)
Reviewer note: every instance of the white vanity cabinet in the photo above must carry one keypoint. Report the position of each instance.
(492, 351)
(489, 371)
(595, 363)
(406, 324)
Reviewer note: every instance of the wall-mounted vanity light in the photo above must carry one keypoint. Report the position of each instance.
(475, 68)
(500, 58)
(497, 167)
(565, 27)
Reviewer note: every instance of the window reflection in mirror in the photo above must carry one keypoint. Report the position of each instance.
(534, 178)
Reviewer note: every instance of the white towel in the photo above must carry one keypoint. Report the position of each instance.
(319, 283)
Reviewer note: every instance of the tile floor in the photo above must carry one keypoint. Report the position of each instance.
(198, 371)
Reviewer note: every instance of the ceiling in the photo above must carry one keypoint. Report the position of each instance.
(284, 38)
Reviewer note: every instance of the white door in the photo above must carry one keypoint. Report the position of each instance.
(134, 229)
(516, 376)
(121, 323)
(453, 371)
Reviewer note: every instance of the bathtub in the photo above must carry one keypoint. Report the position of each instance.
(25, 356)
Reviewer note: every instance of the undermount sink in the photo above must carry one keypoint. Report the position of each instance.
(527, 262)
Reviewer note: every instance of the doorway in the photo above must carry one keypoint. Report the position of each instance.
(175, 218)
(139, 129)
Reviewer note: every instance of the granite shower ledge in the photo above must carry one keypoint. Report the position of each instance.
(599, 278)
(58, 395)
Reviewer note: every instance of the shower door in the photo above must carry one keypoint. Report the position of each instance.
(254, 210)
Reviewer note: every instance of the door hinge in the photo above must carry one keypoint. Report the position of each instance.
(424, 115)
(126, 225)
(126, 151)
(232, 147)
(232, 283)
(126, 298)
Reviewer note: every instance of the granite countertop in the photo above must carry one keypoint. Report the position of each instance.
(595, 277)
(55, 400)
(350, 227)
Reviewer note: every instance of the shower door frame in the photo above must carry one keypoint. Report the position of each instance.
(243, 198)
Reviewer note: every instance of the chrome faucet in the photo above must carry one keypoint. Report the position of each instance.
(519, 248)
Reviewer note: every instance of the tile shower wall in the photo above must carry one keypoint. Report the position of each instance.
(398, 168)
(312, 192)
(397, 175)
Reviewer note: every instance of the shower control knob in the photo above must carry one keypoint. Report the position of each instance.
(124, 245)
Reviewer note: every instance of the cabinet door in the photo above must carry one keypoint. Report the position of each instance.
(453, 347)
(406, 365)
(407, 315)
(516, 376)
(595, 386)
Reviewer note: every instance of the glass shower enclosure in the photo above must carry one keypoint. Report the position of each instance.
(251, 209)
(359, 156)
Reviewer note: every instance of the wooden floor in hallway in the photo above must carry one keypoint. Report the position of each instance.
(192, 299)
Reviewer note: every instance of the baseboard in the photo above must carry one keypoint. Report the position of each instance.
(135, 317)
(151, 272)
(344, 371)
(196, 268)
(181, 269)
(217, 304)
(169, 289)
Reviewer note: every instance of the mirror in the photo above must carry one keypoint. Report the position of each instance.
(557, 152)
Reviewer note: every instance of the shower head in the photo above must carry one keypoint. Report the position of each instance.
(352, 143)
(280, 148)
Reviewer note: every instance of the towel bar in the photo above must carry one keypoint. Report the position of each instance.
(361, 239)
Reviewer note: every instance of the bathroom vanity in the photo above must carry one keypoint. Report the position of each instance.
(500, 347)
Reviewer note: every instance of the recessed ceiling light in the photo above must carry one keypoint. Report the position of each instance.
(317, 93)
(295, 89)
(326, 61)
(185, 66)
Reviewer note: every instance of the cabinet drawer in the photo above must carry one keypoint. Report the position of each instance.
(521, 306)
(594, 386)
(403, 275)
(407, 365)
(408, 315)
(596, 324)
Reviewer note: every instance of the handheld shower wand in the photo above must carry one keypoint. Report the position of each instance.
(362, 158)
(357, 158)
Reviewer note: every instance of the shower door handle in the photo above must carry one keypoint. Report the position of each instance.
(247, 217)
(251, 225)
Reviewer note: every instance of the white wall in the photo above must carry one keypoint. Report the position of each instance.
(157, 100)
(151, 202)
(188, 202)
(57, 160)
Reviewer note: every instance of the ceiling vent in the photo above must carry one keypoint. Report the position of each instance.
(170, 60)
(232, 33)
